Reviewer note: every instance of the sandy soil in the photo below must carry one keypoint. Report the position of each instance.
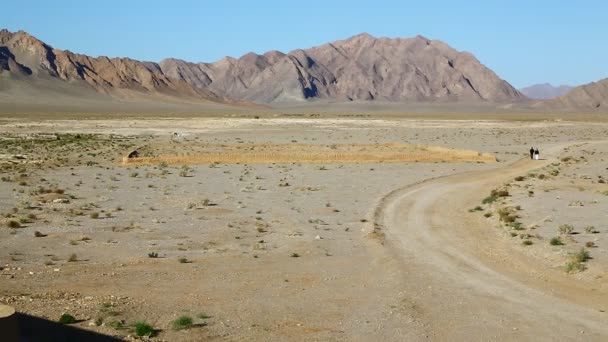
(298, 251)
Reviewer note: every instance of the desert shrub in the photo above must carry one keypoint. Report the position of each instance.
(73, 258)
(581, 256)
(499, 193)
(590, 230)
(555, 241)
(520, 178)
(506, 215)
(67, 319)
(183, 322)
(94, 215)
(489, 200)
(590, 244)
(566, 229)
(573, 266)
(153, 255)
(184, 171)
(516, 225)
(117, 325)
(144, 329)
(527, 243)
(13, 224)
(183, 260)
(567, 159)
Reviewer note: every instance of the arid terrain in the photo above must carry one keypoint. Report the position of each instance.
(417, 229)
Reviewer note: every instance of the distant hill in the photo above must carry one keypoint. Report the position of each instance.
(592, 96)
(545, 91)
(362, 67)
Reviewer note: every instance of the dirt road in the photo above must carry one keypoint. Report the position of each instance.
(470, 284)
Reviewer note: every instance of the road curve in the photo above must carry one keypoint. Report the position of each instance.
(468, 281)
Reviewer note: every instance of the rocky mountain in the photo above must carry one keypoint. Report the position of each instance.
(24, 57)
(592, 96)
(359, 68)
(545, 91)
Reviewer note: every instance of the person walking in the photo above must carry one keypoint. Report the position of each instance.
(536, 154)
(531, 152)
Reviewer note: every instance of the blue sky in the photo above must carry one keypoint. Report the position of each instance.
(525, 42)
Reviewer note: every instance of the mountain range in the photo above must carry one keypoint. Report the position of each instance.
(360, 68)
(545, 91)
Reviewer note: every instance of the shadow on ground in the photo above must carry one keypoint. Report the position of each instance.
(36, 329)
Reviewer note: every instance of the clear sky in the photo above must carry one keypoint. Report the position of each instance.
(525, 42)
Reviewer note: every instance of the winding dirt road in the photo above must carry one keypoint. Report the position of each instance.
(468, 282)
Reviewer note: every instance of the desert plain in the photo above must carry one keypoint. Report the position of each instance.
(309, 228)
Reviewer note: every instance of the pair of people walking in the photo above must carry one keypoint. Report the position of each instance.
(534, 153)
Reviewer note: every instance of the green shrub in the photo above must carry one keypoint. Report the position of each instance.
(489, 200)
(144, 329)
(67, 319)
(183, 322)
(555, 241)
(581, 256)
(516, 225)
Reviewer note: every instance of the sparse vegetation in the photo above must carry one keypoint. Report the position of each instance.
(573, 266)
(142, 328)
(67, 319)
(566, 229)
(489, 200)
(13, 224)
(591, 230)
(183, 322)
(39, 234)
(73, 258)
(581, 256)
(555, 241)
(506, 215)
(117, 324)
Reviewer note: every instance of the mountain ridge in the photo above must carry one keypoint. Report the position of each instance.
(361, 67)
(545, 91)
